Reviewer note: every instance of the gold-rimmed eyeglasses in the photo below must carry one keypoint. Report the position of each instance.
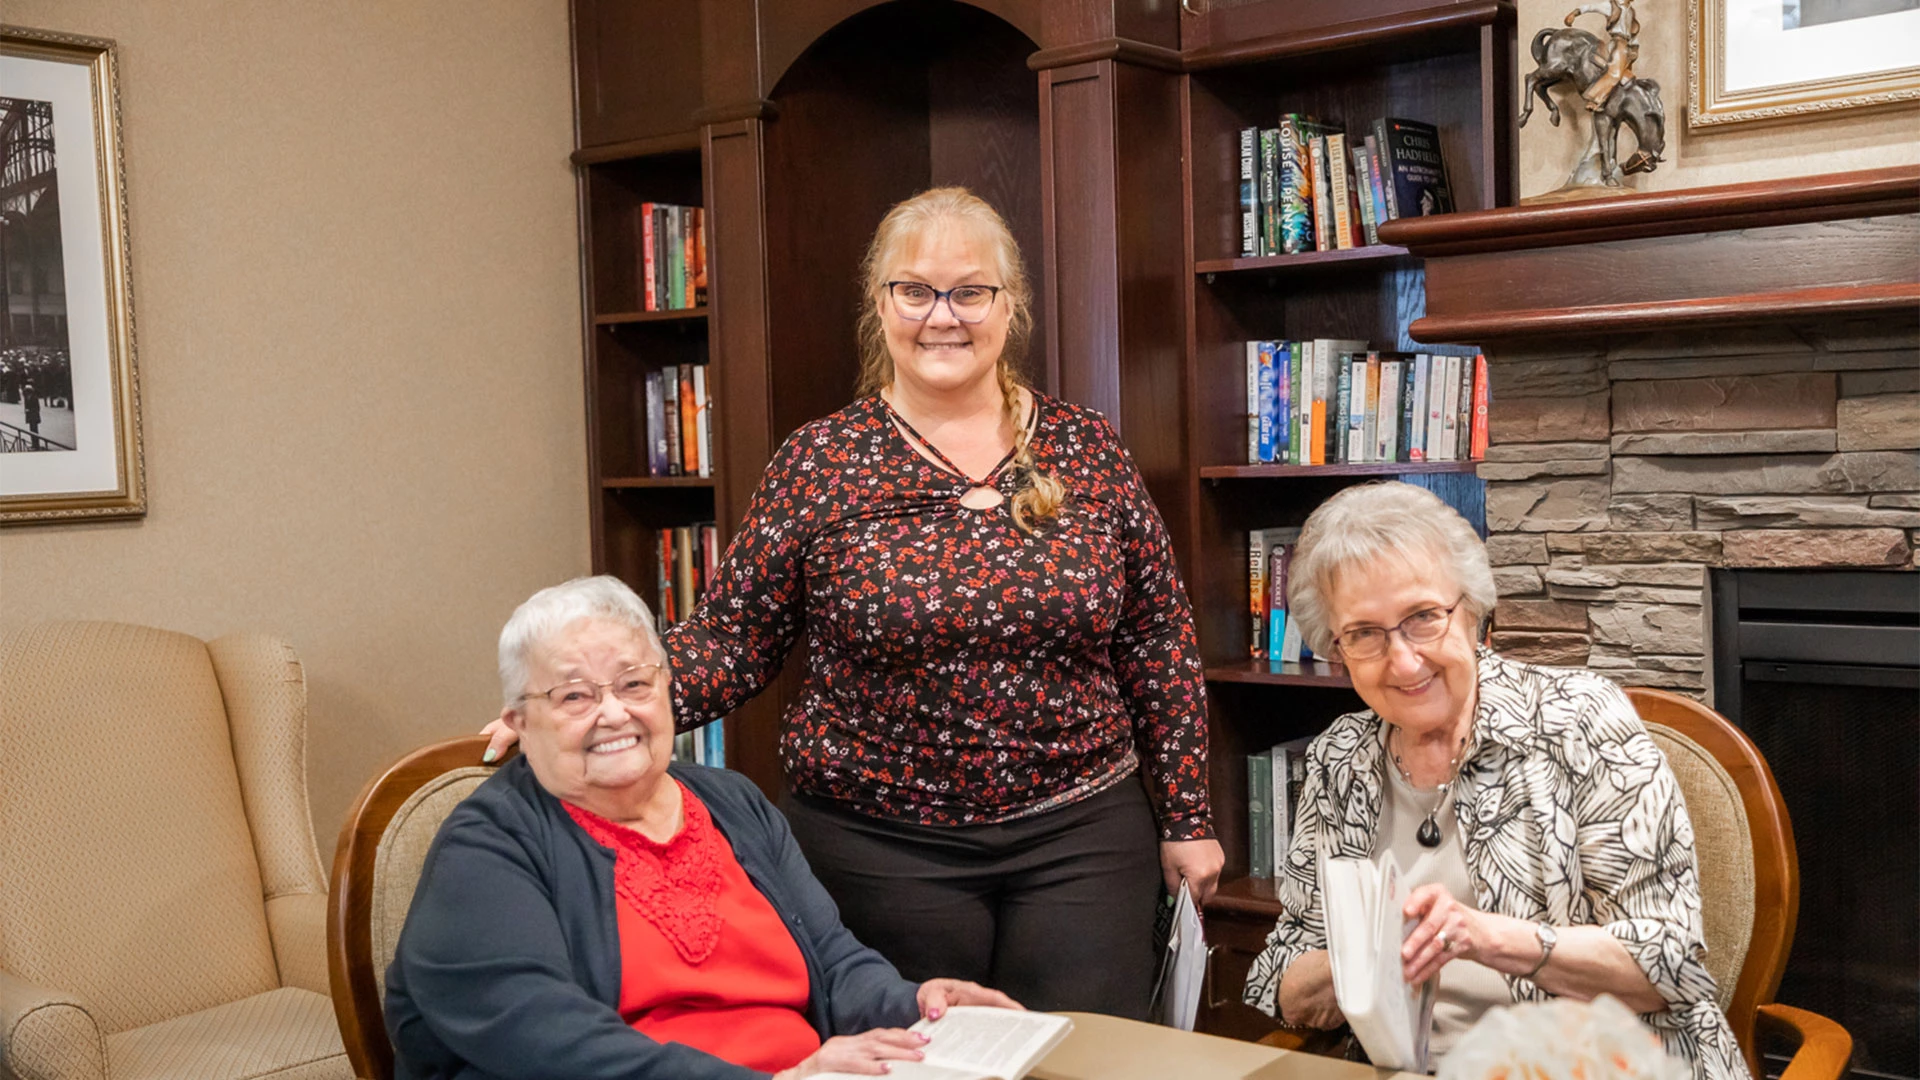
(637, 685)
(1419, 628)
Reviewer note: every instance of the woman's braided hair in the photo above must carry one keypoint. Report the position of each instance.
(1039, 494)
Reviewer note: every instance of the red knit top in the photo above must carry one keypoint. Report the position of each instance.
(705, 960)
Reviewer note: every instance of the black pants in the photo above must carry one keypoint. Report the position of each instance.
(1056, 909)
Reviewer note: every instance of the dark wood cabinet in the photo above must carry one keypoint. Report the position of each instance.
(1105, 131)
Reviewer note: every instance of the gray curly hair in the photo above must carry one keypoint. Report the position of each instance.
(551, 610)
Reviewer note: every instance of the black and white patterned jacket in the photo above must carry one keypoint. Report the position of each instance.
(1568, 813)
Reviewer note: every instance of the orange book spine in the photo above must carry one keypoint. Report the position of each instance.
(689, 424)
(1482, 397)
(1317, 443)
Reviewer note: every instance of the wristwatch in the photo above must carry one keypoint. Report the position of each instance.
(1548, 939)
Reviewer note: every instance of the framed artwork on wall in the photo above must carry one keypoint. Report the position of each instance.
(1753, 60)
(69, 389)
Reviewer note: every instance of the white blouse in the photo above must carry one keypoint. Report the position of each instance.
(1568, 814)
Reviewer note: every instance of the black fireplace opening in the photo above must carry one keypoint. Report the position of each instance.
(1821, 669)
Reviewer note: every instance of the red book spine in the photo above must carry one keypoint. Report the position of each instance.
(646, 256)
(1481, 398)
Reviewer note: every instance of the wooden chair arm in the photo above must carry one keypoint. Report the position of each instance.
(1823, 1047)
(1332, 1043)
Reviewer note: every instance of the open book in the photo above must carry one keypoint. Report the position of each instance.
(971, 1042)
(1365, 929)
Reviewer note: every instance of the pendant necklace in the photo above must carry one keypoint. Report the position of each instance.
(1429, 832)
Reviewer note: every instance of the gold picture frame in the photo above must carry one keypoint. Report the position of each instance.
(64, 264)
(1832, 69)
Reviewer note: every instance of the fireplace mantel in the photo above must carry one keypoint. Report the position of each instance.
(1811, 247)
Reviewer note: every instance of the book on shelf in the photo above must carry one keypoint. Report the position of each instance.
(974, 1042)
(1296, 182)
(1414, 169)
(1279, 557)
(1268, 553)
(687, 563)
(1249, 191)
(1269, 191)
(1369, 225)
(1257, 593)
(1289, 770)
(1363, 902)
(1331, 401)
(1323, 234)
(1375, 186)
(673, 256)
(1269, 401)
(1340, 193)
(679, 422)
(1482, 398)
(1260, 814)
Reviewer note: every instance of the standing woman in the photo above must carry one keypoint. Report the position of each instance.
(998, 643)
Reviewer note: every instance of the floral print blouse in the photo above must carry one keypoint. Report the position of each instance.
(959, 671)
(1569, 815)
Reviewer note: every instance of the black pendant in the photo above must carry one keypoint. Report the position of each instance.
(1429, 834)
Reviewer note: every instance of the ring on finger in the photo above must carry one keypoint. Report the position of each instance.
(1445, 945)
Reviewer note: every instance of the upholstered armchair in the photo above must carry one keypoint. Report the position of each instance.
(162, 903)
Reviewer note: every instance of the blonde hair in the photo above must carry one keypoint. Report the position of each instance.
(1040, 493)
(1388, 519)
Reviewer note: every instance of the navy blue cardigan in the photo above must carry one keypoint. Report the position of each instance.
(509, 963)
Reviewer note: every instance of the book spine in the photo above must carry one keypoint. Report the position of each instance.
(1464, 423)
(683, 591)
(700, 268)
(676, 254)
(1369, 227)
(710, 549)
(1253, 403)
(1296, 221)
(1333, 426)
(701, 426)
(689, 425)
(1410, 417)
(1282, 401)
(1450, 420)
(656, 438)
(1259, 815)
(1269, 396)
(1278, 556)
(1277, 807)
(1301, 404)
(650, 297)
(1342, 191)
(670, 416)
(1310, 421)
(1257, 593)
(1386, 166)
(1322, 201)
(1419, 170)
(1482, 398)
(663, 576)
(687, 241)
(1353, 376)
(1386, 443)
(1370, 412)
(659, 278)
(1270, 191)
(1249, 195)
(1417, 441)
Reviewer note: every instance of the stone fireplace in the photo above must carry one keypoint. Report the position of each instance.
(1708, 402)
(1620, 471)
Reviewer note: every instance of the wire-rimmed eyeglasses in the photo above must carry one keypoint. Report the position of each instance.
(637, 685)
(915, 300)
(1419, 628)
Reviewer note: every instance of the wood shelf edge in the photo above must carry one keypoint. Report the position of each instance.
(1261, 672)
(1125, 50)
(1290, 472)
(1246, 896)
(1484, 326)
(1383, 254)
(623, 318)
(1827, 196)
(679, 142)
(629, 483)
(1359, 33)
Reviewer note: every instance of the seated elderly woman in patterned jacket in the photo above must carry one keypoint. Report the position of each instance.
(1539, 828)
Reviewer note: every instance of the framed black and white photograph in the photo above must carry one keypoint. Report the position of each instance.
(69, 391)
(1755, 60)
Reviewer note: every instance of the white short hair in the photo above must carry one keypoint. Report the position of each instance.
(550, 611)
(1370, 521)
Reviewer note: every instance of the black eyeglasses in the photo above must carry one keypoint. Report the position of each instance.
(1419, 628)
(916, 300)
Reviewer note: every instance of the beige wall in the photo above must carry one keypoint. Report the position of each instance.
(356, 286)
(1828, 142)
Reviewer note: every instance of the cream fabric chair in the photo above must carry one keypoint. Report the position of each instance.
(1749, 881)
(161, 897)
(376, 865)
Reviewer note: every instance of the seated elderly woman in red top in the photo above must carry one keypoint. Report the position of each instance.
(591, 911)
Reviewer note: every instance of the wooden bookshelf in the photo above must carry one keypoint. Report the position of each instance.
(1369, 257)
(1281, 673)
(1380, 468)
(656, 482)
(624, 318)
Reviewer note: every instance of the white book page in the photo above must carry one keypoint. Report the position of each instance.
(914, 1070)
(1005, 1042)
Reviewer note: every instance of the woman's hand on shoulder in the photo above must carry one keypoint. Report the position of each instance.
(1198, 861)
(866, 1054)
(935, 995)
(499, 738)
